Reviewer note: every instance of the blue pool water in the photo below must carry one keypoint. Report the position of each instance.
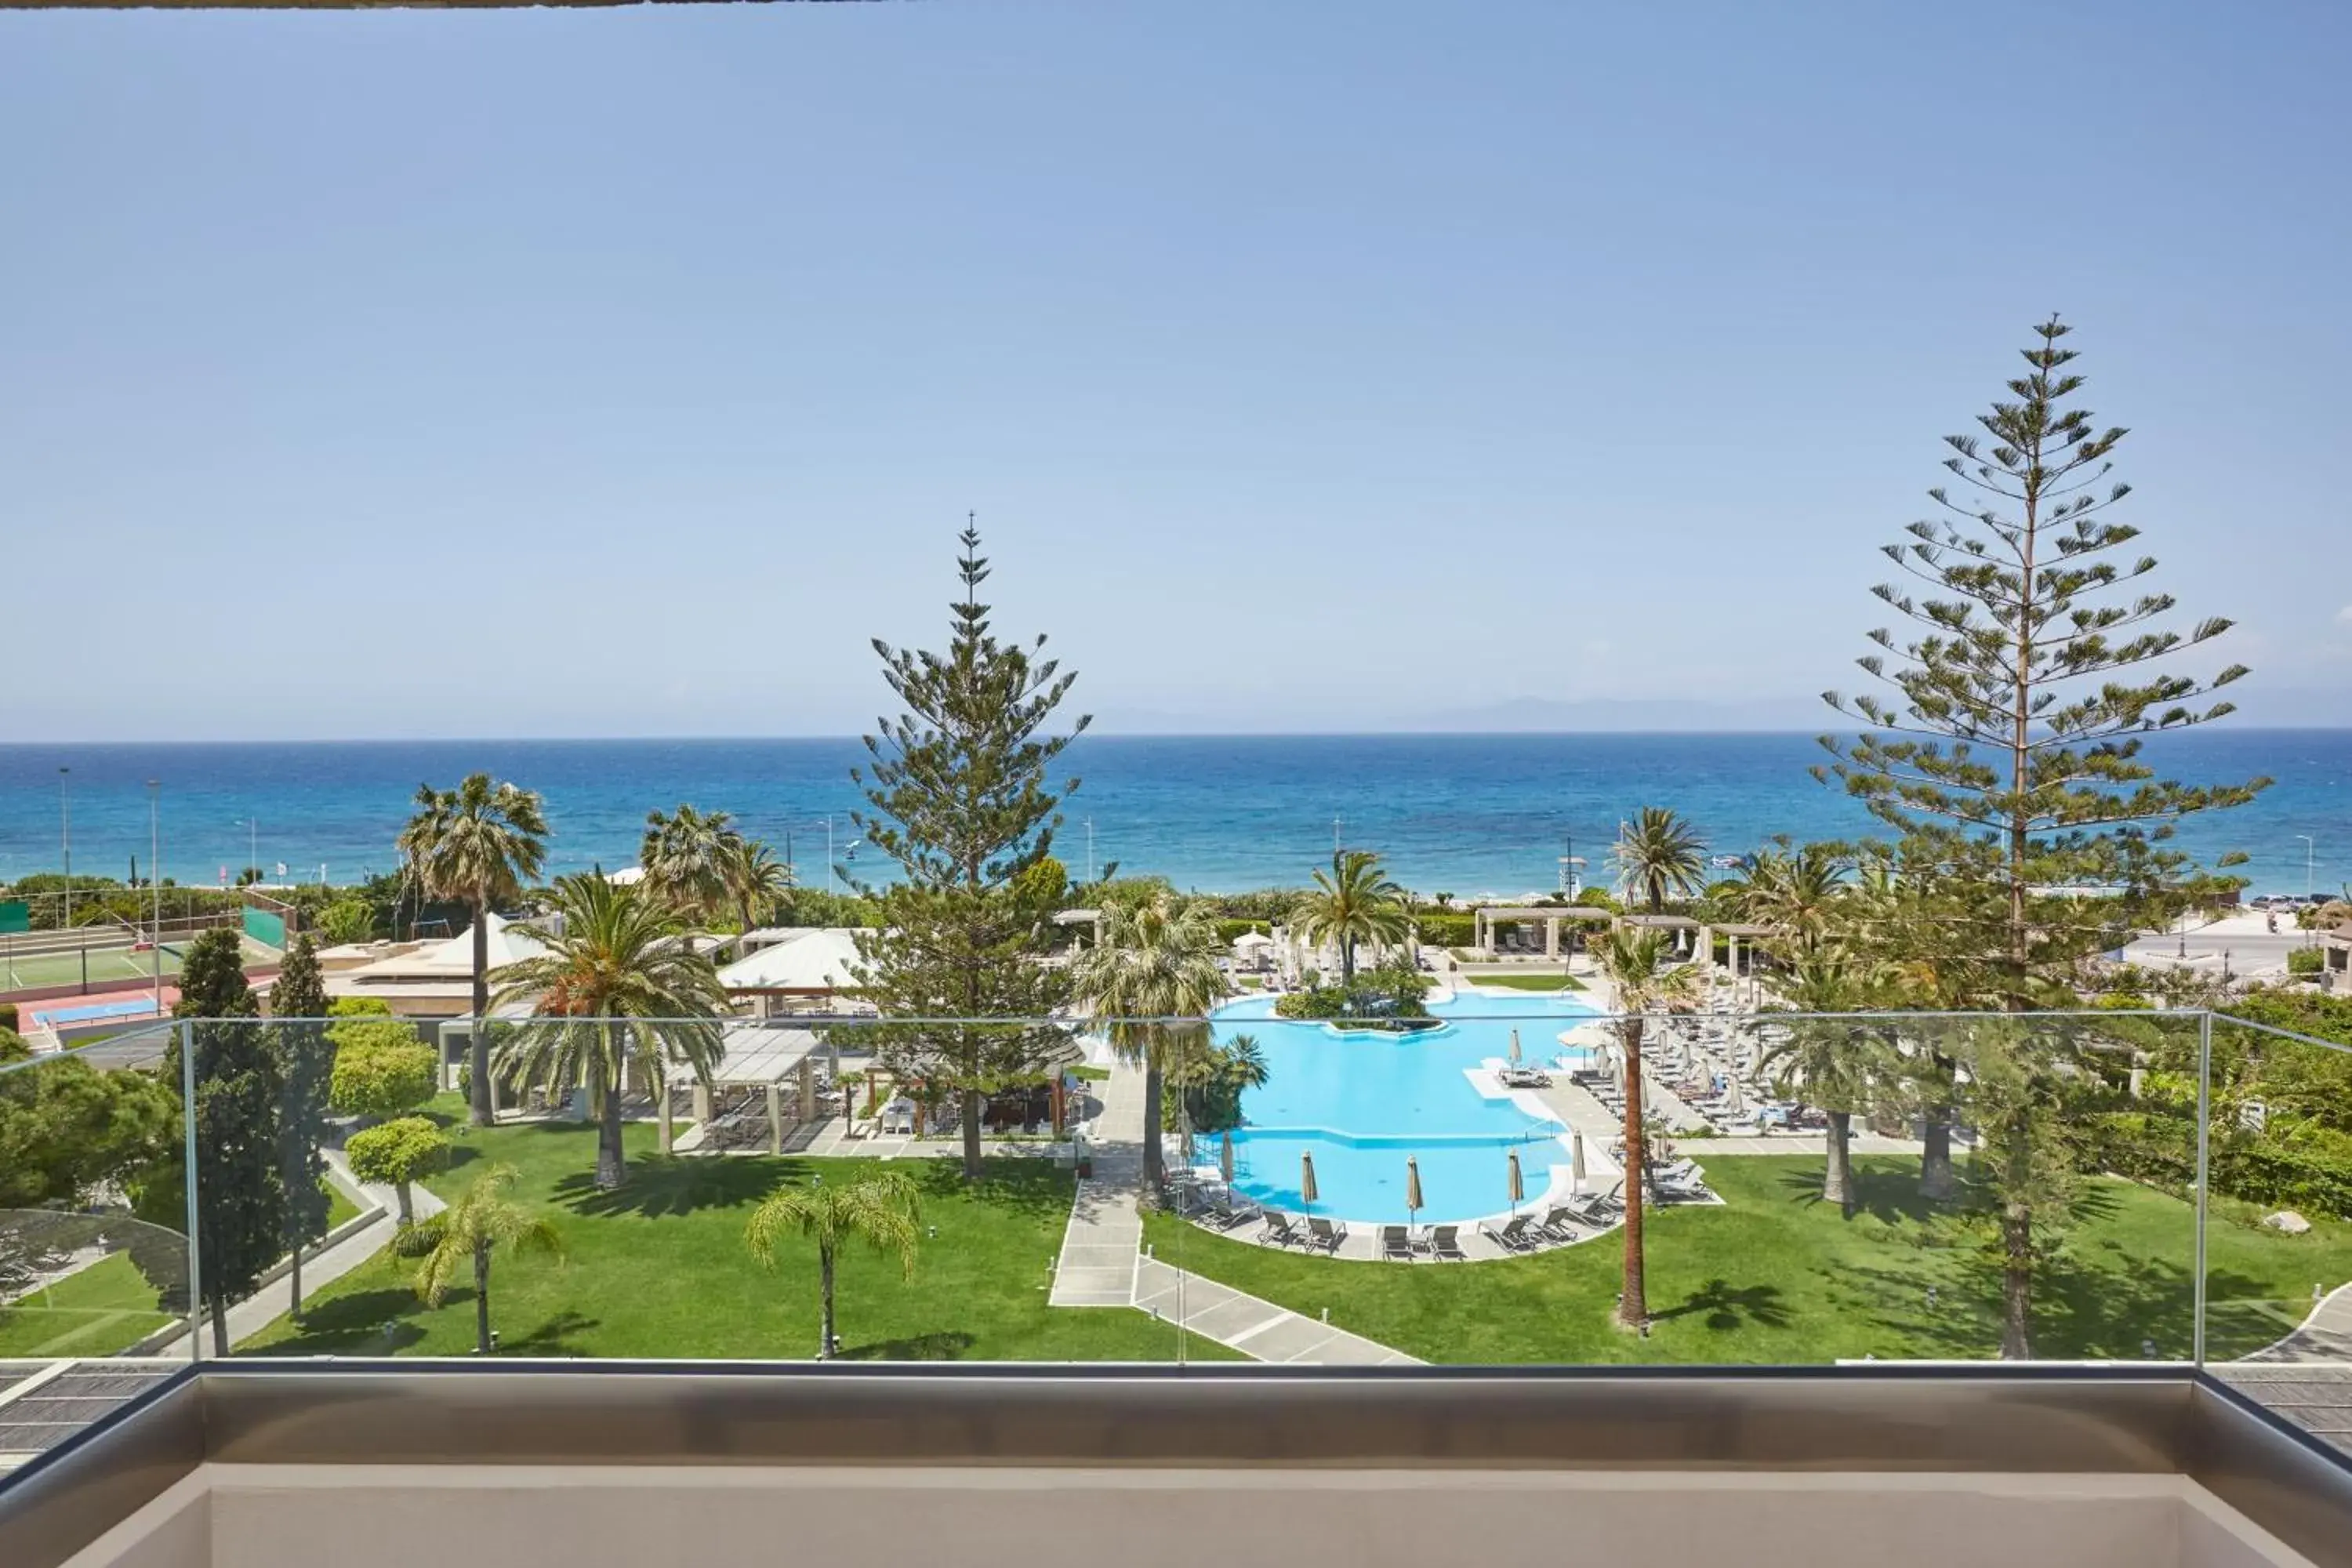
(1363, 1102)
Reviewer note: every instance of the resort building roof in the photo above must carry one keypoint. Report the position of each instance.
(806, 960)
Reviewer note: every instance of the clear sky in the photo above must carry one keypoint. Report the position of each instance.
(621, 372)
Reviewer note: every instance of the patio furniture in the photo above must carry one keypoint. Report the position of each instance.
(1555, 1224)
(1396, 1244)
(1512, 1236)
(1230, 1212)
(1326, 1234)
(1445, 1244)
(1278, 1230)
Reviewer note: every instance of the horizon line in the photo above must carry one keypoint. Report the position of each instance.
(855, 738)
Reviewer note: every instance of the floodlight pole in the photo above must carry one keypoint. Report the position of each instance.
(155, 884)
(65, 835)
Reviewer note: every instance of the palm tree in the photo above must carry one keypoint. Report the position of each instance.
(479, 843)
(1213, 1079)
(1156, 961)
(1831, 1061)
(687, 857)
(755, 878)
(1352, 902)
(882, 1209)
(477, 1224)
(1659, 855)
(1795, 892)
(1630, 962)
(618, 985)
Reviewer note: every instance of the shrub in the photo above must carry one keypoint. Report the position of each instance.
(347, 919)
(359, 1007)
(382, 1076)
(2160, 1151)
(1440, 929)
(8, 1017)
(2306, 961)
(397, 1153)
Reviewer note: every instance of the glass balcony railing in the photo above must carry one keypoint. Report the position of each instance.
(2101, 1186)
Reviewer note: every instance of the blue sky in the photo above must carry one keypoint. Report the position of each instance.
(621, 372)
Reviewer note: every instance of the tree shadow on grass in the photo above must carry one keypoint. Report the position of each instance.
(554, 1336)
(1890, 1196)
(660, 1184)
(366, 1322)
(1027, 1186)
(1727, 1306)
(943, 1345)
(2096, 1300)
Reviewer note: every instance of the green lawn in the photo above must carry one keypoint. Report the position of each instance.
(99, 1311)
(1527, 982)
(1774, 1276)
(104, 1309)
(659, 1269)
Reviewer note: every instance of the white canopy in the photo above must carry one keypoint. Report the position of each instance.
(1253, 942)
(811, 959)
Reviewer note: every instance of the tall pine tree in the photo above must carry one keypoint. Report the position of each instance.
(240, 1185)
(962, 801)
(2008, 753)
(305, 1062)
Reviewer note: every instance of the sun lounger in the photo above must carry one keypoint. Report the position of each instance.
(1512, 1236)
(1555, 1224)
(1326, 1234)
(1231, 1211)
(1445, 1244)
(1278, 1230)
(1396, 1244)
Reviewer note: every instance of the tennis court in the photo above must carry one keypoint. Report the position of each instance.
(109, 964)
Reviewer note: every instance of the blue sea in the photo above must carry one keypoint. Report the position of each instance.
(1462, 814)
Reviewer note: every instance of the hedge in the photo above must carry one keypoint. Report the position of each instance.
(2161, 1152)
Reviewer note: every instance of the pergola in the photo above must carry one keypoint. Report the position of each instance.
(1486, 917)
(760, 1058)
(1702, 940)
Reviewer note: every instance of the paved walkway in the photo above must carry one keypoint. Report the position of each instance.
(271, 1303)
(1259, 1330)
(1104, 1240)
(1102, 1262)
(2325, 1336)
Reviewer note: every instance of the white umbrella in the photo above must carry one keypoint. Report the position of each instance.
(1306, 1192)
(1225, 1159)
(1576, 1164)
(1413, 1203)
(1518, 1183)
(1515, 1047)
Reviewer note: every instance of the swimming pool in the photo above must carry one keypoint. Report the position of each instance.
(1364, 1101)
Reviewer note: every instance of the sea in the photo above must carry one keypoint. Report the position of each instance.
(1468, 815)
